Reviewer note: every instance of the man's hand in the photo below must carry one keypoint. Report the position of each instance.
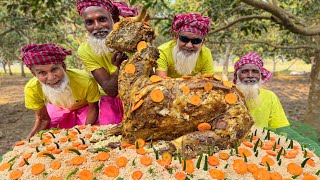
(118, 58)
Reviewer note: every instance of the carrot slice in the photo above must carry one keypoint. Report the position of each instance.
(213, 161)
(4, 166)
(204, 126)
(180, 176)
(245, 151)
(122, 161)
(157, 95)
(136, 175)
(111, 171)
(16, 174)
(22, 163)
(141, 45)
(78, 160)
(27, 156)
(271, 153)
(186, 77)
(224, 156)
(252, 168)
(76, 144)
(185, 90)
(195, 100)
(103, 156)
(231, 98)
(116, 26)
(240, 166)
(294, 169)
(208, 86)
(275, 176)
(167, 157)
(141, 142)
(155, 78)
(37, 169)
(125, 145)
(137, 105)
(64, 139)
(82, 147)
(308, 176)
(248, 144)
(311, 163)
(130, 69)
(19, 143)
(217, 174)
(261, 173)
(56, 151)
(85, 175)
(189, 166)
(141, 151)
(55, 165)
(268, 160)
(88, 136)
(227, 84)
(145, 160)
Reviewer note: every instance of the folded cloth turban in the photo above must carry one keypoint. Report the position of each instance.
(115, 8)
(42, 54)
(193, 22)
(252, 58)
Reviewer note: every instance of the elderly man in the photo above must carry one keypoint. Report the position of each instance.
(186, 54)
(263, 104)
(99, 17)
(60, 97)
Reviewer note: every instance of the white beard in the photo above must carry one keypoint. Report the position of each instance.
(98, 45)
(250, 92)
(60, 96)
(184, 62)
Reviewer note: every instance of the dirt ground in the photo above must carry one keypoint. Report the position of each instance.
(16, 121)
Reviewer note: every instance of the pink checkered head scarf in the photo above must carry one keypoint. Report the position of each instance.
(193, 22)
(115, 8)
(252, 58)
(42, 54)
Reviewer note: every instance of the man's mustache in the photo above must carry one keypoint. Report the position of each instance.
(101, 31)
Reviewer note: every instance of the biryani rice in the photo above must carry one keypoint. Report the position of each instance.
(153, 171)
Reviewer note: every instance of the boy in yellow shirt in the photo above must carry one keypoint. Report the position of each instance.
(60, 97)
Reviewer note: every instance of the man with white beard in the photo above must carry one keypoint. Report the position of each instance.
(186, 54)
(99, 17)
(264, 105)
(60, 97)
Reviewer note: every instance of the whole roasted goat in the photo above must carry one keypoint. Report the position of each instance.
(171, 109)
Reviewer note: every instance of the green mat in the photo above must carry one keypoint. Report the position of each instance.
(303, 133)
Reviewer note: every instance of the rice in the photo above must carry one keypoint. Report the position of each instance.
(153, 171)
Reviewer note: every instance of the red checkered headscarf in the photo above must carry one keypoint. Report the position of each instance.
(252, 58)
(193, 22)
(115, 8)
(42, 54)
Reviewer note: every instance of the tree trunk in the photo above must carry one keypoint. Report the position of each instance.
(312, 115)
(226, 62)
(9, 67)
(23, 74)
(4, 67)
(274, 64)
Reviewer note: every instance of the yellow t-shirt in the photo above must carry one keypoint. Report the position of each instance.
(270, 113)
(84, 90)
(92, 61)
(165, 62)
